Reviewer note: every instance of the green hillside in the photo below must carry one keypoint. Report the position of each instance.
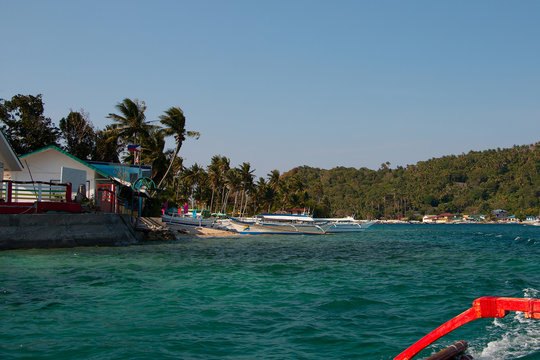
(474, 183)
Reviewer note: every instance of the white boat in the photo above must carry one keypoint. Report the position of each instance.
(274, 224)
(341, 225)
(177, 221)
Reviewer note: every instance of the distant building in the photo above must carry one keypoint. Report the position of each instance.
(429, 218)
(442, 218)
(500, 214)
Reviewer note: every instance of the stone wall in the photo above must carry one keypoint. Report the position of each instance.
(65, 230)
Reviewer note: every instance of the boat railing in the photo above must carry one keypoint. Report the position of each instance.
(31, 191)
(484, 307)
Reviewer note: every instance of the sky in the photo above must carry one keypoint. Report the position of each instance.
(281, 84)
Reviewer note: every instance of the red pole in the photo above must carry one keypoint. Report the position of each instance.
(68, 192)
(9, 191)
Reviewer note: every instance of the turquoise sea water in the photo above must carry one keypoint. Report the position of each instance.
(351, 296)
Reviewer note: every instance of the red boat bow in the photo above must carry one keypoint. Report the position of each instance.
(484, 307)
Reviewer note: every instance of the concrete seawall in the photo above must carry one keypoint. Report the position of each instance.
(65, 230)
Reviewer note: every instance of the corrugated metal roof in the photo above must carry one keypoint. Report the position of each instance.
(7, 155)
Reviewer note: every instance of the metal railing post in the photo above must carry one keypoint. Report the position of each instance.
(68, 192)
(9, 191)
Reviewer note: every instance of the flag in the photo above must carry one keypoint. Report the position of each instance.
(136, 148)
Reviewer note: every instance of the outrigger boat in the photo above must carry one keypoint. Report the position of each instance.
(177, 221)
(274, 224)
(341, 225)
(484, 307)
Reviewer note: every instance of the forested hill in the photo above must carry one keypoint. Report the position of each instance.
(473, 183)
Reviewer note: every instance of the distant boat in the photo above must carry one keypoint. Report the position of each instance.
(342, 225)
(177, 221)
(274, 224)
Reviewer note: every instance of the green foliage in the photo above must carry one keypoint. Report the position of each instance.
(79, 135)
(25, 126)
(475, 183)
(108, 146)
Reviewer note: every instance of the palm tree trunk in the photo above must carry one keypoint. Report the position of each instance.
(212, 201)
(171, 164)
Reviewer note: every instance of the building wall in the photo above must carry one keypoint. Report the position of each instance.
(47, 166)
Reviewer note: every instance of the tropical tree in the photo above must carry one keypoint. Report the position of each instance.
(175, 125)
(108, 146)
(130, 125)
(233, 180)
(246, 176)
(153, 153)
(194, 178)
(273, 183)
(78, 134)
(24, 124)
(217, 169)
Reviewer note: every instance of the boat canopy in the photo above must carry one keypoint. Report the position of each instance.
(286, 217)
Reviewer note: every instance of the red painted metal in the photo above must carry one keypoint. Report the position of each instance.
(21, 207)
(483, 307)
(9, 191)
(68, 192)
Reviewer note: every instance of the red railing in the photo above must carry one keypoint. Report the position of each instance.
(484, 307)
(17, 197)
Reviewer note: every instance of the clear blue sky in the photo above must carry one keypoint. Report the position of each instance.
(281, 84)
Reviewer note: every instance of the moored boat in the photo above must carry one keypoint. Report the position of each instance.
(341, 225)
(177, 221)
(274, 224)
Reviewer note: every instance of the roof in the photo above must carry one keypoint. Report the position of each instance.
(7, 155)
(69, 155)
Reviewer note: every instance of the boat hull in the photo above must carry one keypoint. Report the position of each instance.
(346, 226)
(179, 222)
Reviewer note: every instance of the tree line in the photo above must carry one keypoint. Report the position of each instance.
(23, 122)
(475, 183)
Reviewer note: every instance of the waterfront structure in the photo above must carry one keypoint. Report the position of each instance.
(500, 214)
(442, 218)
(54, 165)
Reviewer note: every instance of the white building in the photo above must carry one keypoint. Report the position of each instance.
(52, 164)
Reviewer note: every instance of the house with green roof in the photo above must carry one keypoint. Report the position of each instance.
(52, 164)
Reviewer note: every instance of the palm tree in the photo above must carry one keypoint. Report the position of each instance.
(193, 178)
(217, 169)
(108, 146)
(153, 147)
(234, 182)
(273, 183)
(131, 123)
(175, 125)
(246, 175)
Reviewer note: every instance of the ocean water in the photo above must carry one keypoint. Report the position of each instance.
(352, 296)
